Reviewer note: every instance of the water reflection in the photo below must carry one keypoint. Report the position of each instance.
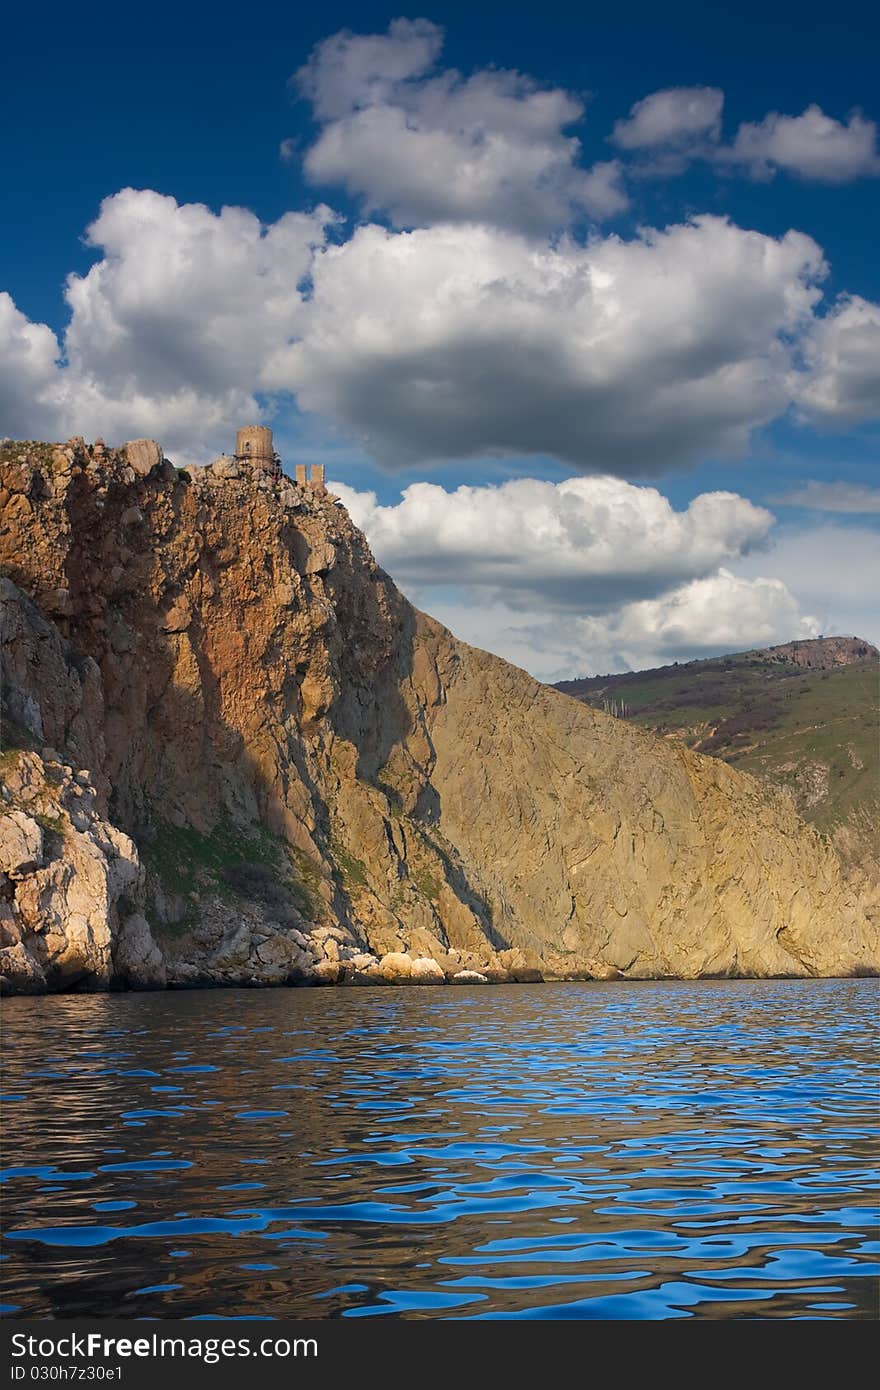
(588, 1151)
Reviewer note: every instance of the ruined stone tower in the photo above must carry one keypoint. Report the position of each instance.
(253, 445)
(254, 448)
(312, 477)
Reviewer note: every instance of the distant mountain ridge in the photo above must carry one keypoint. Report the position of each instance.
(813, 653)
(803, 715)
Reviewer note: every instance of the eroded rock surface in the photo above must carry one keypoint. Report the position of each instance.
(233, 753)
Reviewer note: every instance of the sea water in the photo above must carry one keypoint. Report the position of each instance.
(620, 1150)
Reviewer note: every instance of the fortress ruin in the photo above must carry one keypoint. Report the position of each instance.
(254, 448)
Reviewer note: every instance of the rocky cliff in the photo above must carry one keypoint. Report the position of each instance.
(821, 653)
(234, 753)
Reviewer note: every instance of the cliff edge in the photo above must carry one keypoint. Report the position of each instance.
(234, 753)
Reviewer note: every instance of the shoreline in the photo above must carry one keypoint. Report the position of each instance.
(212, 986)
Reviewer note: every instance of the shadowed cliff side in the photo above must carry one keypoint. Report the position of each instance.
(234, 753)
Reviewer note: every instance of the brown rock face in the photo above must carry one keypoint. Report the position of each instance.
(822, 653)
(309, 780)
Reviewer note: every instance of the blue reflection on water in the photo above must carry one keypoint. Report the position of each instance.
(659, 1150)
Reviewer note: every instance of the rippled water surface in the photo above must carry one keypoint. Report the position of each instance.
(574, 1150)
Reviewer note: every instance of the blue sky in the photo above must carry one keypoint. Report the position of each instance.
(511, 328)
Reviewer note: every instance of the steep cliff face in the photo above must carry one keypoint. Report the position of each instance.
(235, 753)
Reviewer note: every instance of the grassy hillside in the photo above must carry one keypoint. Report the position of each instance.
(804, 717)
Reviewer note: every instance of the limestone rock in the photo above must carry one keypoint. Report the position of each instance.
(282, 953)
(225, 467)
(56, 603)
(329, 972)
(178, 617)
(469, 977)
(524, 968)
(19, 972)
(10, 929)
(427, 972)
(286, 595)
(362, 961)
(143, 455)
(136, 957)
(396, 967)
(321, 558)
(21, 844)
(235, 947)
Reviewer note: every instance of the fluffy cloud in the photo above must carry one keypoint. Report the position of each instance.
(183, 294)
(180, 320)
(451, 341)
(722, 613)
(584, 576)
(28, 374)
(674, 116)
(594, 574)
(613, 356)
(834, 569)
(843, 352)
(705, 617)
(586, 542)
(673, 126)
(348, 71)
(854, 498)
(812, 146)
(172, 332)
(428, 146)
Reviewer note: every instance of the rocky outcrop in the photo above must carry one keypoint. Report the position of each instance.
(821, 653)
(66, 878)
(233, 753)
(137, 960)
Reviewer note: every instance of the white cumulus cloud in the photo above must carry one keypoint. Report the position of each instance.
(672, 127)
(347, 70)
(29, 355)
(614, 356)
(453, 341)
(173, 331)
(833, 568)
(811, 146)
(426, 145)
(177, 325)
(584, 576)
(673, 116)
(843, 353)
(704, 617)
(721, 613)
(585, 541)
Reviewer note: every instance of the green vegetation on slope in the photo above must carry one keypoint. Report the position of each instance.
(813, 731)
(251, 865)
(823, 745)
